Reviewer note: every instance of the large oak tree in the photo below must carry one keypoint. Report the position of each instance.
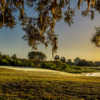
(39, 26)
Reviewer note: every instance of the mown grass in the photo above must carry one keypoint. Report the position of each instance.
(28, 85)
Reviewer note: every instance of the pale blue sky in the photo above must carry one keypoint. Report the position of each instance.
(74, 41)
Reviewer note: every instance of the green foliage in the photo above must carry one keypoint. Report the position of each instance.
(40, 27)
(69, 61)
(57, 58)
(36, 56)
(48, 65)
(58, 64)
(83, 62)
(5, 62)
(63, 59)
(96, 37)
(14, 61)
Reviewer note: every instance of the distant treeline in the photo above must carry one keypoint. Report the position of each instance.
(77, 61)
(6, 60)
(34, 58)
(38, 60)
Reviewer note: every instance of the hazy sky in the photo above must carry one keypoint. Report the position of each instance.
(74, 41)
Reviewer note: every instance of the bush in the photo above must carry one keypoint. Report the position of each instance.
(4, 62)
(48, 65)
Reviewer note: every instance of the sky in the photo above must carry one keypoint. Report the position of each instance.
(74, 41)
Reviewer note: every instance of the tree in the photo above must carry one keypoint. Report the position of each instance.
(69, 61)
(96, 37)
(36, 56)
(77, 60)
(0, 54)
(57, 58)
(39, 27)
(82, 62)
(63, 59)
(14, 56)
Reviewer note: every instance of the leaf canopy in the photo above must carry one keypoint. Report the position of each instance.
(39, 26)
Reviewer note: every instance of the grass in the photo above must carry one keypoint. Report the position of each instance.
(28, 85)
(81, 69)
